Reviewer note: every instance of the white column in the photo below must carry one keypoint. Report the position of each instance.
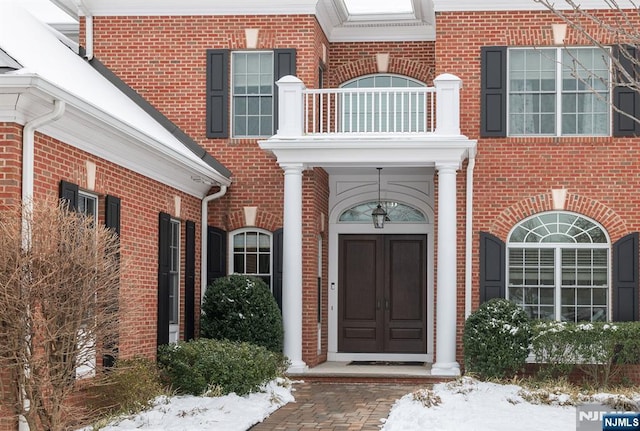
(446, 299)
(292, 267)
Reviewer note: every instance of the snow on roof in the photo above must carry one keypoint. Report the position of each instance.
(30, 43)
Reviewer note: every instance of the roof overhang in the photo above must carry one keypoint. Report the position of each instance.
(24, 97)
(506, 5)
(337, 23)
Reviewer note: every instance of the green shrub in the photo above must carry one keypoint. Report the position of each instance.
(553, 348)
(496, 339)
(129, 387)
(595, 348)
(222, 366)
(241, 308)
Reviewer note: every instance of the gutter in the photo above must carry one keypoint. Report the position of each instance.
(28, 139)
(204, 237)
(469, 235)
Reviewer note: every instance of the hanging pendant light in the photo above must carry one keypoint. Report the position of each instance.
(378, 214)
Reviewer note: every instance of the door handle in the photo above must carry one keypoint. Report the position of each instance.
(378, 304)
(386, 304)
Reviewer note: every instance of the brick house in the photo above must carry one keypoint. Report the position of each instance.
(500, 174)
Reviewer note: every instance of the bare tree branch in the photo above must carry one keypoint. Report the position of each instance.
(60, 308)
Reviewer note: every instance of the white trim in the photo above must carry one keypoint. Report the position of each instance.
(174, 328)
(190, 7)
(398, 187)
(508, 5)
(85, 126)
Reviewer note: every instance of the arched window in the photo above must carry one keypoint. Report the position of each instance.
(251, 253)
(396, 213)
(558, 267)
(380, 111)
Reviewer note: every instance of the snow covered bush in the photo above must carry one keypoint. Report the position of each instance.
(596, 348)
(195, 367)
(241, 308)
(496, 339)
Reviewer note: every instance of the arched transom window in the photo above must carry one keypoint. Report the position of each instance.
(384, 111)
(558, 267)
(396, 212)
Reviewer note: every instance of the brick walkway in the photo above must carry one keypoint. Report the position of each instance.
(336, 407)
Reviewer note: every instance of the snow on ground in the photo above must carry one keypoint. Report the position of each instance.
(469, 404)
(228, 413)
(464, 404)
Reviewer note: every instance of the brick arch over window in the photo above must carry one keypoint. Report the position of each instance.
(264, 220)
(612, 222)
(368, 65)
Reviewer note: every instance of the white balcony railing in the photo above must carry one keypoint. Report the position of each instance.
(369, 110)
(400, 111)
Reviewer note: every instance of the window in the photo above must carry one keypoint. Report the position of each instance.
(382, 111)
(88, 205)
(558, 267)
(251, 254)
(174, 272)
(558, 91)
(253, 86)
(396, 212)
(250, 82)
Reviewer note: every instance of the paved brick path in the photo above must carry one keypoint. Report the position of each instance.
(336, 407)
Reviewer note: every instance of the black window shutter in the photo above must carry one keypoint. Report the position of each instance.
(216, 254)
(189, 280)
(111, 221)
(284, 63)
(69, 194)
(493, 109)
(492, 267)
(626, 99)
(164, 266)
(625, 278)
(112, 213)
(277, 266)
(217, 93)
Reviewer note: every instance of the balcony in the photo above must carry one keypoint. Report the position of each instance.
(369, 112)
(403, 127)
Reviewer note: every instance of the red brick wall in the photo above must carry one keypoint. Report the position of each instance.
(349, 60)
(141, 199)
(164, 59)
(10, 164)
(514, 176)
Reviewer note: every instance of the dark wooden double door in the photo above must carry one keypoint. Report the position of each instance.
(382, 305)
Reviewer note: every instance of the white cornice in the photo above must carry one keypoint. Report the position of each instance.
(189, 7)
(371, 150)
(337, 24)
(506, 5)
(86, 127)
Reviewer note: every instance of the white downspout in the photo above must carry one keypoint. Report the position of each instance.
(469, 236)
(28, 144)
(28, 137)
(88, 20)
(204, 239)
